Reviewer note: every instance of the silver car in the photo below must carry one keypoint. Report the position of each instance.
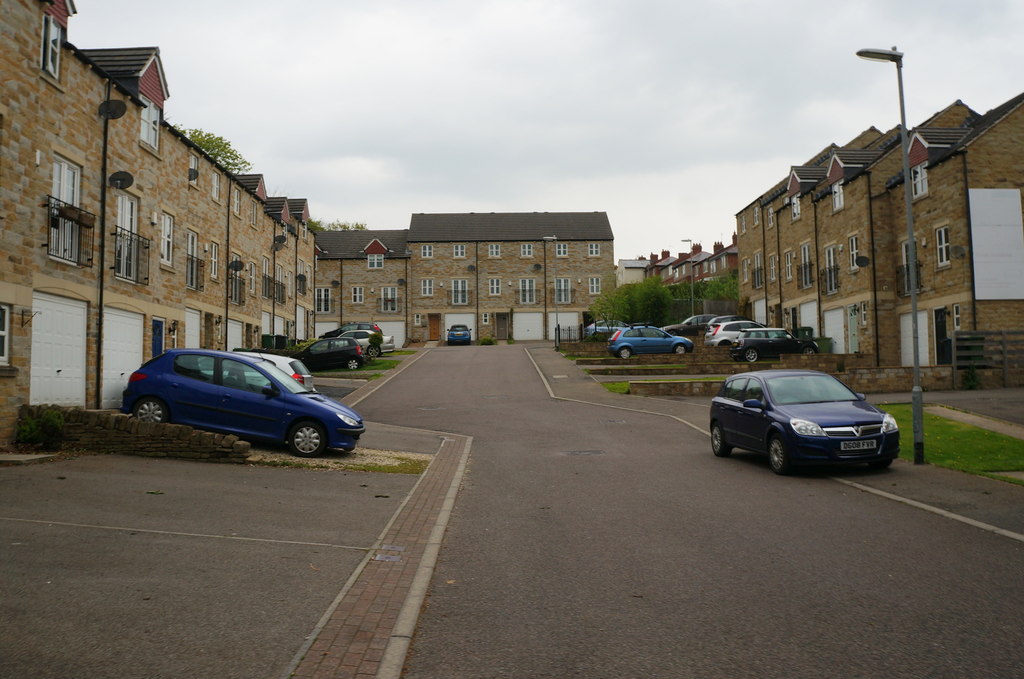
(726, 334)
(363, 337)
(292, 366)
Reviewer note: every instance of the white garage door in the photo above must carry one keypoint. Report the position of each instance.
(58, 350)
(460, 319)
(761, 310)
(907, 338)
(809, 316)
(396, 329)
(193, 322)
(566, 319)
(235, 335)
(835, 328)
(122, 353)
(527, 326)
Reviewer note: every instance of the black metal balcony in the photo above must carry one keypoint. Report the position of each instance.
(805, 274)
(70, 232)
(830, 279)
(903, 280)
(759, 277)
(236, 287)
(389, 305)
(194, 269)
(131, 256)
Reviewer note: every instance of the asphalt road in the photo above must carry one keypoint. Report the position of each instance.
(594, 542)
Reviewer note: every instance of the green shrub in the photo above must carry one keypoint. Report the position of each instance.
(971, 380)
(488, 340)
(46, 430)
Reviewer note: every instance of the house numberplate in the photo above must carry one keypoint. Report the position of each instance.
(859, 445)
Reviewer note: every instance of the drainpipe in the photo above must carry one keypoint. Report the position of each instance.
(817, 283)
(227, 271)
(101, 278)
(476, 286)
(874, 272)
(970, 247)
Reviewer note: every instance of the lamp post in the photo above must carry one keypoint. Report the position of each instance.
(915, 395)
(554, 274)
(689, 262)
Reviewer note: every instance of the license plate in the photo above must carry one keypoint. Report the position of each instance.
(858, 445)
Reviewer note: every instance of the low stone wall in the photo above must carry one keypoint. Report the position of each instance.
(105, 431)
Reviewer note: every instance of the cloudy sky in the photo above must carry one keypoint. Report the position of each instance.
(669, 115)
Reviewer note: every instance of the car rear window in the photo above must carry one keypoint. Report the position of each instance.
(195, 366)
(734, 388)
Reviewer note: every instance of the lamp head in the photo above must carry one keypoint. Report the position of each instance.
(881, 55)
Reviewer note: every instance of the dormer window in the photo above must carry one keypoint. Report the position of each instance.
(150, 125)
(794, 207)
(919, 180)
(49, 59)
(837, 196)
(375, 261)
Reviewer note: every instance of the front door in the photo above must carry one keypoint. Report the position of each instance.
(852, 324)
(943, 345)
(501, 326)
(433, 327)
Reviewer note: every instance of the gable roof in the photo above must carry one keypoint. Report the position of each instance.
(353, 244)
(138, 69)
(253, 183)
(509, 226)
(298, 208)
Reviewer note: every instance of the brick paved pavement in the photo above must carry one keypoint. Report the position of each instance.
(367, 631)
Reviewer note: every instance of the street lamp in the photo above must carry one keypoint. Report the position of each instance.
(915, 394)
(554, 239)
(689, 241)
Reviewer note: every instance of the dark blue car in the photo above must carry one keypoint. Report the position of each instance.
(801, 417)
(459, 334)
(646, 339)
(242, 395)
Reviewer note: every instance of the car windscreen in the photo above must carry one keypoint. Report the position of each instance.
(792, 389)
(283, 378)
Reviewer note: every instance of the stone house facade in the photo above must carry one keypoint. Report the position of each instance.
(118, 232)
(827, 247)
(505, 275)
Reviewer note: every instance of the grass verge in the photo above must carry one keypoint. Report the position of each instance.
(616, 387)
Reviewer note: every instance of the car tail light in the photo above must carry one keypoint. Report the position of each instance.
(376, 328)
(717, 328)
(298, 378)
(359, 349)
(615, 335)
(137, 376)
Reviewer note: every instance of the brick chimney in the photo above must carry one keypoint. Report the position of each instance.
(718, 247)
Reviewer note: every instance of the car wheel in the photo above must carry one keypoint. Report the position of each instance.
(372, 352)
(724, 343)
(625, 352)
(680, 349)
(718, 445)
(307, 439)
(880, 464)
(810, 350)
(751, 355)
(352, 364)
(778, 457)
(151, 409)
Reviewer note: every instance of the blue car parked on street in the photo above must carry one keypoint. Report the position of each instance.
(459, 334)
(800, 417)
(646, 339)
(242, 395)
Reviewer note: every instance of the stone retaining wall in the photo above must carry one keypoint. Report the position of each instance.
(106, 431)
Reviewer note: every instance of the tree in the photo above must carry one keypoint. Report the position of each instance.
(336, 225)
(646, 302)
(218, 148)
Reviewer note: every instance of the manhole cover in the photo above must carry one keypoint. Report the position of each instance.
(430, 408)
(584, 453)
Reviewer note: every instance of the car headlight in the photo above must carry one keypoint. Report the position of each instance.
(350, 421)
(806, 427)
(889, 424)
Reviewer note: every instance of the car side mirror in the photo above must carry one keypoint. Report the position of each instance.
(270, 390)
(861, 397)
(754, 403)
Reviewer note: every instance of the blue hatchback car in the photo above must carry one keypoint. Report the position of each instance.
(801, 417)
(242, 395)
(646, 339)
(459, 334)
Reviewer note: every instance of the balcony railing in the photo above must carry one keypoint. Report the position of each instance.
(236, 288)
(805, 274)
(562, 296)
(131, 256)
(526, 297)
(301, 284)
(194, 269)
(759, 277)
(70, 232)
(460, 297)
(903, 280)
(830, 278)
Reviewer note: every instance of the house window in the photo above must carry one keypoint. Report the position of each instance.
(426, 251)
(5, 345)
(563, 291)
(166, 239)
(853, 246)
(919, 180)
(214, 259)
(831, 270)
(741, 221)
(942, 245)
(789, 266)
(794, 207)
(65, 235)
(50, 56)
(561, 249)
(494, 286)
(526, 249)
(956, 316)
(494, 250)
(593, 250)
(773, 261)
(837, 196)
(323, 300)
(594, 285)
(770, 216)
(193, 170)
(252, 277)
(527, 291)
(375, 261)
(757, 216)
(236, 201)
(485, 318)
(459, 251)
(427, 287)
(389, 300)
(417, 320)
(758, 270)
(253, 211)
(126, 245)
(806, 278)
(215, 186)
(357, 294)
(150, 126)
(460, 291)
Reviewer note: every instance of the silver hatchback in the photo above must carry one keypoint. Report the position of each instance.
(726, 334)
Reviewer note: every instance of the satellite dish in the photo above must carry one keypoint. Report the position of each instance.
(335, 284)
(121, 180)
(112, 109)
(235, 265)
(471, 267)
(280, 239)
(861, 261)
(276, 246)
(401, 281)
(958, 251)
(193, 174)
(536, 267)
(301, 278)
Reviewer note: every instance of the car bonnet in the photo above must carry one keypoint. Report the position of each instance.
(328, 403)
(832, 413)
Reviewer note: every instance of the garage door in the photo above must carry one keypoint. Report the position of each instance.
(835, 328)
(193, 323)
(761, 310)
(459, 319)
(122, 353)
(566, 319)
(396, 329)
(235, 335)
(58, 350)
(527, 326)
(809, 316)
(907, 339)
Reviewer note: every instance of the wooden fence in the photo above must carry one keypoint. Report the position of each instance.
(990, 350)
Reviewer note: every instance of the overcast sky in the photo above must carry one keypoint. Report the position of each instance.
(669, 115)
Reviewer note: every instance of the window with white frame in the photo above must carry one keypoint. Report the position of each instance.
(594, 285)
(253, 212)
(746, 270)
(831, 269)
(125, 244)
(853, 245)
(741, 223)
(236, 200)
(427, 287)
(956, 316)
(757, 215)
(417, 320)
(919, 180)
(214, 259)
(794, 207)
(485, 318)
(837, 196)
(527, 291)
(252, 277)
(561, 249)
(150, 125)
(459, 251)
(563, 291)
(357, 294)
(215, 185)
(166, 239)
(460, 291)
(323, 300)
(942, 246)
(389, 299)
(65, 235)
(5, 344)
(494, 286)
(593, 250)
(375, 261)
(789, 266)
(494, 250)
(773, 261)
(50, 56)
(770, 216)
(526, 249)
(193, 169)
(426, 251)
